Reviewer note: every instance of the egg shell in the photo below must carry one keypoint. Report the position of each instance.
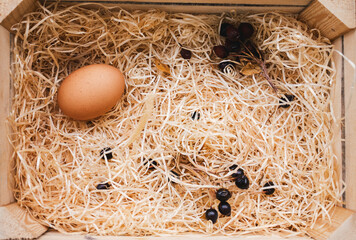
(90, 91)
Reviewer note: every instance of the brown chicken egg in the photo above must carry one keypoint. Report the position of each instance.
(90, 91)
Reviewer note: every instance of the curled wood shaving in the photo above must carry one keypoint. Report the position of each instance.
(143, 120)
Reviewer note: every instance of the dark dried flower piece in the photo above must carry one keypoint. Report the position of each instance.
(185, 53)
(245, 30)
(151, 163)
(196, 115)
(103, 186)
(223, 194)
(221, 51)
(233, 167)
(270, 186)
(223, 28)
(175, 175)
(212, 215)
(242, 182)
(251, 49)
(232, 46)
(239, 173)
(225, 64)
(224, 208)
(285, 100)
(232, 33)
(106, 153)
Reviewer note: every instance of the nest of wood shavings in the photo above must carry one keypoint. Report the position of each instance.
(58, 162)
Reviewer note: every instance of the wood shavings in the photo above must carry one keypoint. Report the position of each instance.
(143, 120)
(58, 163)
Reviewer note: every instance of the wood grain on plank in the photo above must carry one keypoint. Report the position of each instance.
(54, 235)
(191, 7)
(324, 228)
(210, 9)
(7, 6)
(6, 196)
(347, 230)
(12, 16)
(16, 222)
(337, 128)
(350, 120)
(302, 3)
(13, 11)
(332, 17)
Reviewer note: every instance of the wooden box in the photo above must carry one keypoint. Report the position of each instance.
(334, 18)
